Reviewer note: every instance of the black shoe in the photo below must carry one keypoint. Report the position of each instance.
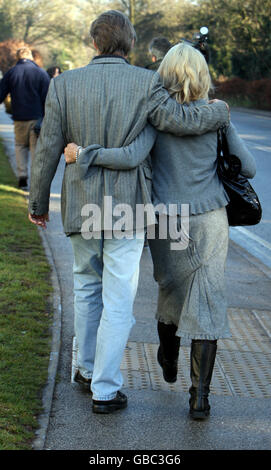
(108, 406)
(170, 368)
(82, 380)
(22, 183)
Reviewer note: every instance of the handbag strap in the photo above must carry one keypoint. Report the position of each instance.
(222, 143)
(231, 164)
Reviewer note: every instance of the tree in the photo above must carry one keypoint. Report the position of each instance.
(239, 30)
(6, 27)
(36, 21)
(239, 36)
(151, 19)
(40, 23)
(54, 26)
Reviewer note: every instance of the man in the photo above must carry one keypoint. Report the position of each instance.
(158, 48)
(106, 103)
(27, 84)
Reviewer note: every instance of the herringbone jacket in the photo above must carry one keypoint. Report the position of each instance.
(108, 102)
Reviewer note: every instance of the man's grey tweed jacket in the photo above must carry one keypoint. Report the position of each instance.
(108, 102)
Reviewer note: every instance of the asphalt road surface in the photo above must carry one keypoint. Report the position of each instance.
(255, 128)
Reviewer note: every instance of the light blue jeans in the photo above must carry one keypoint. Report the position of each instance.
(105, 284)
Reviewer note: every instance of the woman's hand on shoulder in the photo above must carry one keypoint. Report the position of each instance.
(215, 100)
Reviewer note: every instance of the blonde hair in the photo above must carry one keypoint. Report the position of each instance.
(185, 73)
(24, 53)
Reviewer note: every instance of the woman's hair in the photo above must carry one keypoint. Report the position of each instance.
(185, 73)
(52, 70)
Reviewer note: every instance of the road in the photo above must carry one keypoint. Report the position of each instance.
(255, 128)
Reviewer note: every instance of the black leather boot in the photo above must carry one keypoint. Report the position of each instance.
(168, 351)
(203, 353)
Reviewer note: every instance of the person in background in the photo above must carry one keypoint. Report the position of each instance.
(28, 85)
(158, 48)
(192, 300)
(54, 71)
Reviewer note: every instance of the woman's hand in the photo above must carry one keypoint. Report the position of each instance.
(70, 153)
(215, 100)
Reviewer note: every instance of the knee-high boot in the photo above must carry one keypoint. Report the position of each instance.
(202, 360)
(168, 351)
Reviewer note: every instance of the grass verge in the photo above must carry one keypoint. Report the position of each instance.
(25, 316)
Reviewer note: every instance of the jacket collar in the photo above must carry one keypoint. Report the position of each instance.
(23, 61)
(108, 59)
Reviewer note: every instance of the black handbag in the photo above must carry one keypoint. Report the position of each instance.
(244, 207)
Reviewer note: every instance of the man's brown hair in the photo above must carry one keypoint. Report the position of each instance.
(113, 33)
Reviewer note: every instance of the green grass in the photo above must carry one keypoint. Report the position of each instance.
(25, 316)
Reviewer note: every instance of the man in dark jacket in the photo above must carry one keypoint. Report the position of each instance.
(158, 48)
(27, 84)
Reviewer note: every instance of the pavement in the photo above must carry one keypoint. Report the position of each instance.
(157, 414)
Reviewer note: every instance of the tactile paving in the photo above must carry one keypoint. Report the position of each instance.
(242, 367)
(249, 373)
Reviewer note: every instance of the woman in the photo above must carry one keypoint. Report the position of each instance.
(192, 299)
(54, 71)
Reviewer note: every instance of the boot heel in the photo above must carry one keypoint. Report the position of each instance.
(199, 414)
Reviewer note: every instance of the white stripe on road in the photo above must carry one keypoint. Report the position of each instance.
(258, 142)
(260, 147)
(252, 243)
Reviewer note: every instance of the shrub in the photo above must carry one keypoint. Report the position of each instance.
(256, 93)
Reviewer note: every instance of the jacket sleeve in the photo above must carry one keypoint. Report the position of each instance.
(44, 86)
(4, 87)
(238, 147)
(165, 114)
(123, 158)
(49, 148)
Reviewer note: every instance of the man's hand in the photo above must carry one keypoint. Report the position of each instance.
(70, 153)
(39, 220)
